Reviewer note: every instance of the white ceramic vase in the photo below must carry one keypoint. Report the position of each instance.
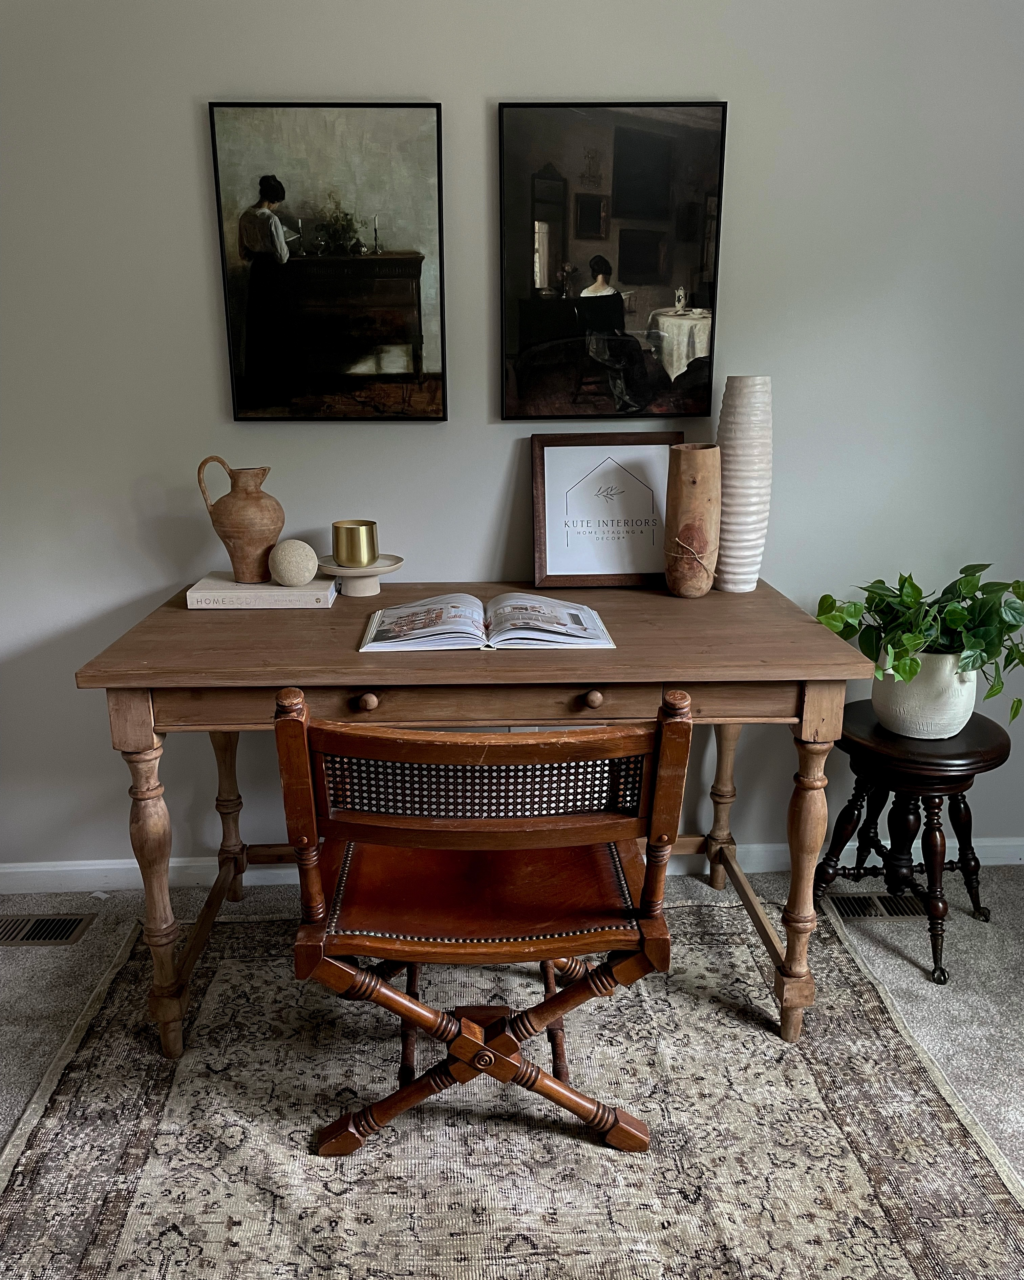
(745, 440)
(937, 703)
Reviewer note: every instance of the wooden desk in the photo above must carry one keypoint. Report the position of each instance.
(744, 659)
(341, 306)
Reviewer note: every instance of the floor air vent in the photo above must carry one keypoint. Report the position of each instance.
(852, 906)
(43, 931)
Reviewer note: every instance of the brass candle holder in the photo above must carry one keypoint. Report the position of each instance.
(355, 543)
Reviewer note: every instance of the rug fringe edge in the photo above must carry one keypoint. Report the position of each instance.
(1007, 1174)
(33, 1112)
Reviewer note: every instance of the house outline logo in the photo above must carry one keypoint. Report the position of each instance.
(639, 500)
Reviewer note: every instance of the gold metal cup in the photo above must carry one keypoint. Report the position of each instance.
(355, 543)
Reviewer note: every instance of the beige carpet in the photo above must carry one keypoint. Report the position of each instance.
(837, 1157)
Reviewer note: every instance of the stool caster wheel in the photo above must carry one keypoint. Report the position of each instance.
(940, 977)
(982, 913)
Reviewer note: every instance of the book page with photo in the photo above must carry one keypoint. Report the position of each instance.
(514, 620)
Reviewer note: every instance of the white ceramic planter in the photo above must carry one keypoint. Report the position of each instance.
(745, 441)
(937, 703)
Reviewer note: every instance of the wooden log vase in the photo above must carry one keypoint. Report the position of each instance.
(693, 511)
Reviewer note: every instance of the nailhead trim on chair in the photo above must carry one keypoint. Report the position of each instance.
(332, 923)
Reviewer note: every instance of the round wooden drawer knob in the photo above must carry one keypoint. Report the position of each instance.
(369, 702)
(594, 699)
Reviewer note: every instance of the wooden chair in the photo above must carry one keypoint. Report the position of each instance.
(419, 847)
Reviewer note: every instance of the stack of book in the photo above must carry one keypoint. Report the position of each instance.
(219, 590)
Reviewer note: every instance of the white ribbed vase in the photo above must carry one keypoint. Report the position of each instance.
(745, 440)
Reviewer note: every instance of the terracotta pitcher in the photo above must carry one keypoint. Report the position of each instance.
(247, 520)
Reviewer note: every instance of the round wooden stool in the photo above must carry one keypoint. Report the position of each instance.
(912, 770)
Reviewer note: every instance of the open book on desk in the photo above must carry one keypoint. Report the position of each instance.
(510, 621)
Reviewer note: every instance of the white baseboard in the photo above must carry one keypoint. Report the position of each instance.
(75, 876)
(123, 873)
(996, 851)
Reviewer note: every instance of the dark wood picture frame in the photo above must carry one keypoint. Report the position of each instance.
(551, 370)
(538, 445)
(344, 336)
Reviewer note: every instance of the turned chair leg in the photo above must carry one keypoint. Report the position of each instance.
(348, 1133)
(472, 1053)
(556, 1029)
(616, 1127)
(934, 846)
(842, 834)
(407, 1071)
(960, 819)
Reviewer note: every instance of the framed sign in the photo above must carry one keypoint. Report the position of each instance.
(599, 508)
(330, 233)
(610, 217)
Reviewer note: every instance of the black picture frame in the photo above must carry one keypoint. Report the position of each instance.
(351, 326)
(651, 170)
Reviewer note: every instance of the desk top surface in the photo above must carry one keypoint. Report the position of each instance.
(758, 636)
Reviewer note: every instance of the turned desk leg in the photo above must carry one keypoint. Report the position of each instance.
(805, 830)
(723, 793)
(229, 806)
(150, 831)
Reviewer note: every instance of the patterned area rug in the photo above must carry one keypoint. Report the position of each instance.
(837, 1157)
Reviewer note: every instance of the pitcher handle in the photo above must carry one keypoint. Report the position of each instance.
(202, 484)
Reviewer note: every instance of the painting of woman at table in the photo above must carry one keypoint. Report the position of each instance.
(330, 229)
(637, 188)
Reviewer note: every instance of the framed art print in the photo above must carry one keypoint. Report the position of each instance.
(331, 249)
(599, 508)
(610, 228)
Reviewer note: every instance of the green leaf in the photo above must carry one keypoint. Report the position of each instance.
(834, 621)
(1012, 612)
(968, 584)
(971, 660)
(995, 685)
(827, 604)
(906, 668)
(853, 611)
(1015, 707)
(994, 588)
(971, 569)
(871, 643)
(1017, 587)
(955, 616)
(910, 592)
(912, 641)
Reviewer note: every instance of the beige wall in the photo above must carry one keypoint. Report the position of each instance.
(872, 263)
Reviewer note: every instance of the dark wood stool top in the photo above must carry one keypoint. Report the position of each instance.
(912, 770)
(981, 745)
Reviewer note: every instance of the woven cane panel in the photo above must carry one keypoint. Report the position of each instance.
(405, 790)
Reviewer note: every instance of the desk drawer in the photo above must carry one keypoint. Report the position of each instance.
(179, 709)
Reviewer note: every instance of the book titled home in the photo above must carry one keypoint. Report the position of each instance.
(219, 590)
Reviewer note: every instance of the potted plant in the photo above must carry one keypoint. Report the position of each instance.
(336, 228)
(928, 649)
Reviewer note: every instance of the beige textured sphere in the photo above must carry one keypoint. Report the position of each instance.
(293, 563)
